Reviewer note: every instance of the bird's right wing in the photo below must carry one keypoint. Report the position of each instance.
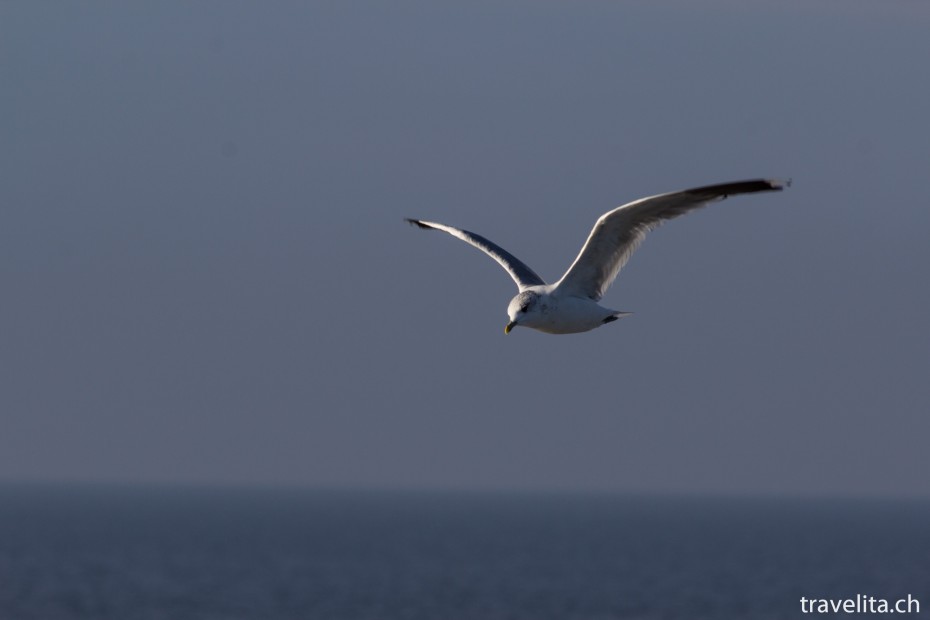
(617, 233)
(521, 274)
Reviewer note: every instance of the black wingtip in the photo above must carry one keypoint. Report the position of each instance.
(723, 190)
(416, 223)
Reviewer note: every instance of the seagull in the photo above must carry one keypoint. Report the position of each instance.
(570, 306)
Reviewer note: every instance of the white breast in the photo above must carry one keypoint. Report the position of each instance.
(569, 315)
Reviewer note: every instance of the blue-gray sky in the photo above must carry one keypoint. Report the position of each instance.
(206, 277)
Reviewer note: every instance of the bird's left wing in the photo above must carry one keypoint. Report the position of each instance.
(617, 233)
(521, 274)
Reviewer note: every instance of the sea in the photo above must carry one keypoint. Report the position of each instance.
(70, 552)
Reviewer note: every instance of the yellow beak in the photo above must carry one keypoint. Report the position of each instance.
(509, 326)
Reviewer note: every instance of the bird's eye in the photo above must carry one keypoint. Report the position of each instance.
(524, 307)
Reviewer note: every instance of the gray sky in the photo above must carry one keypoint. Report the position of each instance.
(206, 277)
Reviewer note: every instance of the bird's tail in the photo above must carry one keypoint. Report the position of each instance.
(616, 315)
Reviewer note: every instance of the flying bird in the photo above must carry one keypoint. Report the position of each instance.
(571, 305)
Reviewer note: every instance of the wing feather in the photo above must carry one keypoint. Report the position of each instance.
(521, 274)
(618, 233)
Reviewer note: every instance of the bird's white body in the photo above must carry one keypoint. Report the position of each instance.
(571, 305)
(555, 313)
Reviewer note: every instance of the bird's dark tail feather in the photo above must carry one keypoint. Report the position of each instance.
(613, 317)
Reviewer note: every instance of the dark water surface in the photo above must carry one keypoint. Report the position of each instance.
(152, 553)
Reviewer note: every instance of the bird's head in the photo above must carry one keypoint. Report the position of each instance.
(523, 310)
